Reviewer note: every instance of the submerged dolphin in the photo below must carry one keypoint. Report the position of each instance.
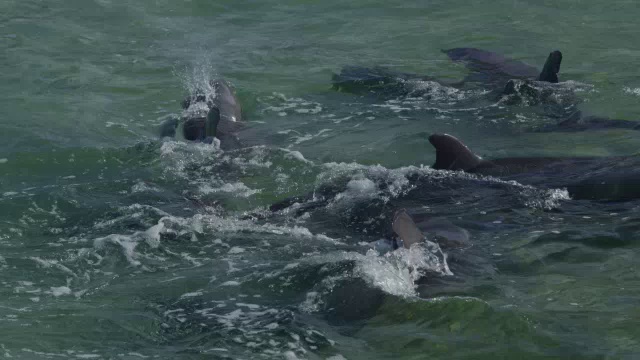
(602, 178)
(223, 119)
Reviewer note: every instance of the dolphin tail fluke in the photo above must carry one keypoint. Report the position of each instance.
(452, 154)
(404, 226)
(551, 67)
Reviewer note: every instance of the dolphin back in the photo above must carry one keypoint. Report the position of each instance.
(490, 67)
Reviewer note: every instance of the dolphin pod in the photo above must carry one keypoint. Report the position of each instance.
(589, 178)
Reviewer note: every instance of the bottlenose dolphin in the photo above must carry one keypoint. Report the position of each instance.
(404, 226)
(577, 121)
(492, 68)
(379, 80)
(445, 233)
(408, 232)
(598, 178)
(223, 119)
(489, 67)
(222, 97)
(511, 81)
(486, 67)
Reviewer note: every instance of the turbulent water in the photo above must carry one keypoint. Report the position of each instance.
(115, 244)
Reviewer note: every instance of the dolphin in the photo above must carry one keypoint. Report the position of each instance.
(492, 68)
(487, 67)
(512, 81)
(440, 229)
(379, 80)
(404, 226)
(577, 121)
(595, 178)
(407, 232)
(223, 119)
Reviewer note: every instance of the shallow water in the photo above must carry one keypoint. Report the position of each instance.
(114, 244)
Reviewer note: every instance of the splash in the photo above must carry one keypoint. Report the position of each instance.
(631, 91)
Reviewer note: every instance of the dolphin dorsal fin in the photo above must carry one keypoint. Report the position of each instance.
(452, 154)
(551, 67)
(404, 226)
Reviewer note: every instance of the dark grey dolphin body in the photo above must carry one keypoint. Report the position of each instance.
(495, 69)
(577, 121)
(379, 80)
(597, 178)
(441, 230)
(512, 81)
(491, 68)
(223, 119)
(487, 68)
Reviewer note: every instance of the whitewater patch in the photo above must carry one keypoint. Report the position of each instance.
(237, 189)
(282, 105)
(632, 91)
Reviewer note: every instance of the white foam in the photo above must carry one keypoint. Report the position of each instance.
(396, 272)
(137, 355)
(632, 91)
(312, 302)
(336, 357)
(192, 294)
(152, 234)
(54, 264)
(61, 290)
(143, 187)
(250, 306)
(290, 355)
(87, 356)
(238, 189)
(285, 105)
(304, 138)
(292, 154)
(126, 242)
(236, 250)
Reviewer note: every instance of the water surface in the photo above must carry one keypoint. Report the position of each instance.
(115, 244)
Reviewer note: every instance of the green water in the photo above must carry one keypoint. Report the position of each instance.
(116, 245)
